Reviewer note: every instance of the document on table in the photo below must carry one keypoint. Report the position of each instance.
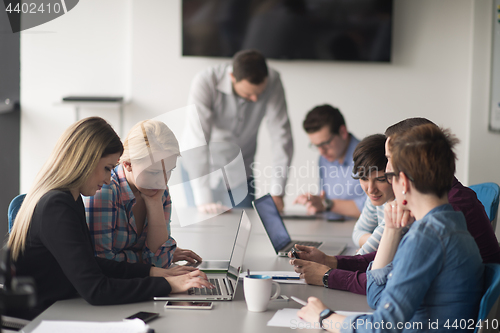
(288, 318)
(126, 326)
(289, 277)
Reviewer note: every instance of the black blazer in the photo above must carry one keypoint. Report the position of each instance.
(59, 255)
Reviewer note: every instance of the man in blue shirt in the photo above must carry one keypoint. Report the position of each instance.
(340, 193)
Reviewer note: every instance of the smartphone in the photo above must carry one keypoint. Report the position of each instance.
(188, 305)
(144, 316)
(294, 253)
(281, 298)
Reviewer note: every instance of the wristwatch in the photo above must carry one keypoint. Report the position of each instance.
(323, 315)
(328, 204)
(325, 278)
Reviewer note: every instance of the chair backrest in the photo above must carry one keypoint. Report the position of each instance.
(14, 206)
(489, 307)
(488, 194)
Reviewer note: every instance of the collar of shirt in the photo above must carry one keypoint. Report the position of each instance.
(353, 143)
(126, 194)
(348, 154)
(442, 208)
(225, 85)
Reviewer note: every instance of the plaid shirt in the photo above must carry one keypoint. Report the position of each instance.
(112, 224)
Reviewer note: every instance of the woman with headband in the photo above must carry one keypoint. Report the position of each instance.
(129, 219)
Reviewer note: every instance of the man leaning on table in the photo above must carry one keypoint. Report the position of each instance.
(231, 101)
(349, 272)
(340, 193)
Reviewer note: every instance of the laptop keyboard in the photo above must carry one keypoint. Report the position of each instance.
(206, 291)
(306, 243)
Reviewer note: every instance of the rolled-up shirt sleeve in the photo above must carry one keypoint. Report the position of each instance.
(165, 253)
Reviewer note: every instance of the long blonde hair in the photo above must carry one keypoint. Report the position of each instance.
(73, 160)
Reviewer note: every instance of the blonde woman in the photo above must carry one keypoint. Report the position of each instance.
(50, 240)
(129, 219)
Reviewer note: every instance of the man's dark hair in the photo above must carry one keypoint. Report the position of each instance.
(369, 156)
(249, 65)
(323, 115)
(406, 125)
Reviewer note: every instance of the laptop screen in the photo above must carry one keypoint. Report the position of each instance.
(240, 245)
(272, 221)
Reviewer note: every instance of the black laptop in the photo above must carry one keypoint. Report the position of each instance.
(276, 229)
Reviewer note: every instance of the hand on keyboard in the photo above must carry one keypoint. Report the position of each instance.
(182, 283)
(205, 291)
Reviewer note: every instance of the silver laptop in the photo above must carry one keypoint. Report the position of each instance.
(225, 284)
(276, 229)
(211, 265)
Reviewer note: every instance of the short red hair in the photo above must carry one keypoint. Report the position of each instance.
(425, 153)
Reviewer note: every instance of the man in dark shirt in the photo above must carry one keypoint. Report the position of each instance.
(349, 272)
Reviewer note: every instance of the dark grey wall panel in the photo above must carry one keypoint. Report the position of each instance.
(10, 116)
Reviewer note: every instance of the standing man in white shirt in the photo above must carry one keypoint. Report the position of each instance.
(231, 101)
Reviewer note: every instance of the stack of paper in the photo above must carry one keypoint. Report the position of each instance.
(289, 277)
(125, 326)
(288, 318)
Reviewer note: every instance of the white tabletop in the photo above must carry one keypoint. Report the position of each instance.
(213, 239)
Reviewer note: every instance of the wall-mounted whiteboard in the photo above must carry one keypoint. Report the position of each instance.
(494, 125)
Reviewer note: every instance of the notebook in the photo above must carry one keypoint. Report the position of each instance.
(276, 229)
(225, 283)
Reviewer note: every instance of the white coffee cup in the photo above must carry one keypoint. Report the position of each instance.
(257, 289)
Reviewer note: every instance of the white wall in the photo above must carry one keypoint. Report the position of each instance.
(484, 160)
(133, 48)
(82, 52)
(484, 146)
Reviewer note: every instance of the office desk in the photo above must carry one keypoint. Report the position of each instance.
(213, 239)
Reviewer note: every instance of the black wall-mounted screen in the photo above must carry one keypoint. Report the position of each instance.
(350, 30)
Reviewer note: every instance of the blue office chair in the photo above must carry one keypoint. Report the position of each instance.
(490, 302)
(14, 206)
(488, 194)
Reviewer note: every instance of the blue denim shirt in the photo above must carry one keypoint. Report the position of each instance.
(336, 179)
(436, 277)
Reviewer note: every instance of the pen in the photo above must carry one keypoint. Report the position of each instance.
(286, 278)
(298, 300)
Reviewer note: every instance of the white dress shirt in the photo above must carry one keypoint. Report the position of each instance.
(229, 122)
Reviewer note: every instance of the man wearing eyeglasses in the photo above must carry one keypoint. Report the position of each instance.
(340, 193)
(347, 272)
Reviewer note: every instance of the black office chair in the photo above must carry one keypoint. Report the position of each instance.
(16, 293)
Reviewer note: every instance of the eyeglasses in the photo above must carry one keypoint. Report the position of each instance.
(390, 175)
(322, 144)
